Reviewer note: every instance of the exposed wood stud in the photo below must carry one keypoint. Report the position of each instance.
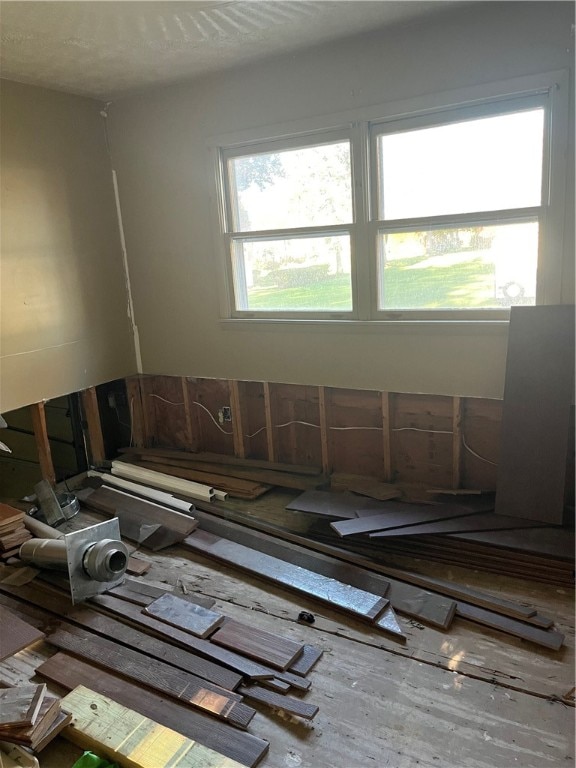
(237, 422)
(269, 425)
(138, 426)
(38, 413)
(191, 424)
(457, 411)
(326, 464)
(387, 460)
(92, 414)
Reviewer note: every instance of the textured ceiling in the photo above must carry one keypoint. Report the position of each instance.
(108, 48)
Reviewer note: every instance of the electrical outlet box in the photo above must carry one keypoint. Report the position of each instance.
(226, 413)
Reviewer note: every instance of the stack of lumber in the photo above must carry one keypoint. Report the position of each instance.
(12, 531)
(28, 716)
(456, 530)
(175, 660)
(430, 601)
(240, 478)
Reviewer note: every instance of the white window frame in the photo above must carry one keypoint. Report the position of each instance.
(362, 127)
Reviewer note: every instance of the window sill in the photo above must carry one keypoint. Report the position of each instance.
(365, 326)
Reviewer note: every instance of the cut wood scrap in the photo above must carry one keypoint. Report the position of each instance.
(10, 515)
(338, 505)
(184, 615)
(349, 599)
(547, 638)
(16, 634)
(162, 481)
(256, 643)
(162, 650)
(69, 672)
(124, 735)
(287, 704)
(137, 567)
(365, 486)
(33, 734)
(268, 476)
(192, 690)
(218, 458)
(306, 661)
(395, 518)
(19, 706)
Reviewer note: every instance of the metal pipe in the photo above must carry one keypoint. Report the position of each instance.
(48, 553)
(40, 529)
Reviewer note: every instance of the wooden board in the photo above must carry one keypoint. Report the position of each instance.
(191, 618)
(152, 646)
(136, 566)
(557, 543)
(538, 393)
(275, 651)
(341, 596)
(287, 704)
(16, 634)
(487, 521)
(102, 725)
(365, 486)
(306, 661)
(399, 518)
(547, 638)
(69, 672)
(185, 687)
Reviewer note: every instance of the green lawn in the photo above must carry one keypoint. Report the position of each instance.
(465, 284)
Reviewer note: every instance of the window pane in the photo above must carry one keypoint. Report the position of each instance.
(466, 268)
(293, 274)
(488, 164)
(306, 187)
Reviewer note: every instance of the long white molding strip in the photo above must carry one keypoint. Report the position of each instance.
(165, 482)
(143, 490)
(152, 504)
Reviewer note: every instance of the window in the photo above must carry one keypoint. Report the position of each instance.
(425, 215)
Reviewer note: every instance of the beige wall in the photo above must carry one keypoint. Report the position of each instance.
(159, 148)
(64, 302)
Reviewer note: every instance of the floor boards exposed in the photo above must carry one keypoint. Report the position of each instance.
(468, 697)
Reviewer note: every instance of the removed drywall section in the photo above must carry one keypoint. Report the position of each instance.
(64, 323)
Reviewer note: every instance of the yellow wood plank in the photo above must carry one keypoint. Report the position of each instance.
(38, 414)
(92, 413)
(129, 738)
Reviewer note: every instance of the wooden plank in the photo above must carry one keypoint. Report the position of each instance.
(177, 684)
(398, 519)
(538, 393)
(237, 425)
(16, 634)
(487, 521)
(38, 414)
(365, 486)
(287, 704)
(69, 672)
(307, 660)
(187, 616)
(234, 661)
(272, 650)
(155, 647)
(342, 596)
(547, 638)
(30, 735)
(102, 725)
(191, 433)
(137, 567)
(92, 415)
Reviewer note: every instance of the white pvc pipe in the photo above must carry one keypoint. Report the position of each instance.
(158, 506)
(165, 482)
(142, 490)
